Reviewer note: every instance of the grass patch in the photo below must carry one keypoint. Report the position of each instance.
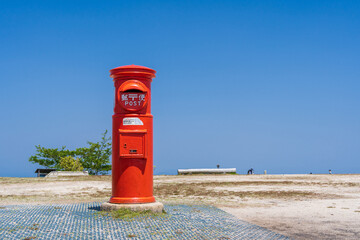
(128, 214)
(206, 190)
(273, 194)
(15, 180)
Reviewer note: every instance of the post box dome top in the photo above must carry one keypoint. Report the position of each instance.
(132, 69)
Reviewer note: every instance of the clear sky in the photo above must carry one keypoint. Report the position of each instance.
(272, 85)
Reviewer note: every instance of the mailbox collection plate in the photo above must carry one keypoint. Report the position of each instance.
(132, 143)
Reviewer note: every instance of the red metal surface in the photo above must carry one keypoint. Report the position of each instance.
(132, 136)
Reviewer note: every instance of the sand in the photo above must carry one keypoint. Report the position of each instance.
(298, 206)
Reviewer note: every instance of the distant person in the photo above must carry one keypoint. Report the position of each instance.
(330, 171)
(250, 171)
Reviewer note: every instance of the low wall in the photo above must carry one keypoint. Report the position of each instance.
(207, 171)
(67, 173)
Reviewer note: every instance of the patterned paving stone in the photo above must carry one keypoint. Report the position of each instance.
(83, 221)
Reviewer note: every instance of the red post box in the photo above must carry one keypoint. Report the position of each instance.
(132, 136)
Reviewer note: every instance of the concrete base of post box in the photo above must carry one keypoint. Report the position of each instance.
(156, 207)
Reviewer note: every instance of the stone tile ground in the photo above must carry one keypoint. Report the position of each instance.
(83, 221)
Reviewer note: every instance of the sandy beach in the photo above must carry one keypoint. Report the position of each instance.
(298, 206)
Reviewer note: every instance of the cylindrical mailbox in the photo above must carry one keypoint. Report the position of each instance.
(132, 135)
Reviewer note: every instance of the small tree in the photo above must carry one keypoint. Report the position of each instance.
(96, 157)
(50, 157)
(70, 163)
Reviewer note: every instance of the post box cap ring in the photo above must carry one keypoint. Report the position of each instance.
(131, 86)
(132, 69)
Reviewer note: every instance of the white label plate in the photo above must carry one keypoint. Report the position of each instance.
(132, 121)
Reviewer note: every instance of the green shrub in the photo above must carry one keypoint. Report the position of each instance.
(70, 163)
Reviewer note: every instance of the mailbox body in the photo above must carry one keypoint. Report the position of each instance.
(132, 136)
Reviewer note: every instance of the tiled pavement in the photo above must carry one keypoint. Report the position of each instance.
(83, 221)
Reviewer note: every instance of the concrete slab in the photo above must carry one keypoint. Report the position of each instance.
(156, 207)
(55, 174)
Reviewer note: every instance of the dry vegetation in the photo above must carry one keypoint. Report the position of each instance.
(198, 189)
(11, 180)
(208, 190)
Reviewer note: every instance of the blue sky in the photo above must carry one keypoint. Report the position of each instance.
(272, 85)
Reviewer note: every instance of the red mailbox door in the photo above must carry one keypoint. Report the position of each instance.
(132, 143)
